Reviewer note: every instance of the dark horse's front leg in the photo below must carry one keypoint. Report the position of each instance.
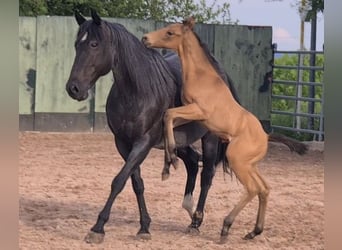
(133, 158)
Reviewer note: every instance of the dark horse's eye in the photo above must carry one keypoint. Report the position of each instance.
(93, 44)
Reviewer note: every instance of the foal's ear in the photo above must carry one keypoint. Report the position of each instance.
(79, 18)
(189, 22)
(97, 20)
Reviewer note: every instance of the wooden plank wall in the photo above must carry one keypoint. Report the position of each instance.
(46, 54)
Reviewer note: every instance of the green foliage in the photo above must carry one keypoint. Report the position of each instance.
(158, 10)
(32, 8)
(315, 6)
(291, 90)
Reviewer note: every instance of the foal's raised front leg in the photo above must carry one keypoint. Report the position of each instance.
(175, 117)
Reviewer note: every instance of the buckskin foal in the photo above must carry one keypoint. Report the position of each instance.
(206, 98)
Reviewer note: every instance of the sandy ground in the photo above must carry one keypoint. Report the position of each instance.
(64, 180)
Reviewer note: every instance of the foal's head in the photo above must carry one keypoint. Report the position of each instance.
(169, 37)
(93, 58)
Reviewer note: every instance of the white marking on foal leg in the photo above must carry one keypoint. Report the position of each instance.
(188, 204)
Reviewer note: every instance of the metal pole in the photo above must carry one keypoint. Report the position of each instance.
(301, 59)
(311, 106)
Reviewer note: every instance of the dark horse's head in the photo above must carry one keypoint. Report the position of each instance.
(92, 55)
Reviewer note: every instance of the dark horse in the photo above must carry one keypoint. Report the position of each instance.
(146, 85)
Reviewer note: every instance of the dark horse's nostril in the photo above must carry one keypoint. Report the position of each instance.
(74, 89)
(144, 39)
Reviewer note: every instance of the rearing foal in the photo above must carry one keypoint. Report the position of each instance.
(206, 98)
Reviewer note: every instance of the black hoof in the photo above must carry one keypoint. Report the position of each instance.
(95, 238)
(223, 239)
(174, 161)
(143, 236)
(165, 176)
(250, 236)
(192, 231)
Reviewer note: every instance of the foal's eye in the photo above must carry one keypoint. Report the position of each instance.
(93, 44)
(169, 33)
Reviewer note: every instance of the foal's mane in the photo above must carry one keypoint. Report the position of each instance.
(225, 77)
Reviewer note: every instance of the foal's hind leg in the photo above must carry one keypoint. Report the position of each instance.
(251, 191)
(254, 185)
(263, 198)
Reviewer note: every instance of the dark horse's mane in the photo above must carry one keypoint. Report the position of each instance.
(142, 66)
(217, 67)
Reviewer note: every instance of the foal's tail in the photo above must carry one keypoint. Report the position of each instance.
(221, 157)
(292, 144)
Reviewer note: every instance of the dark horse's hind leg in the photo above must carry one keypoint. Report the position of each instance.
(133, 158)
(210, 150)
(191, 158)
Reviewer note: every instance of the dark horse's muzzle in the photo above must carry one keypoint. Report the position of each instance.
(76, 92)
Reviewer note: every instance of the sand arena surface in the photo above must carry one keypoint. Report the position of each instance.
(65, 178)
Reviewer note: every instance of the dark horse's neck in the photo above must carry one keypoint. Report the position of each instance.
(139, 72)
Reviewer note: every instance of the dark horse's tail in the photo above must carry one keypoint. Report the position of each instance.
(221, 156)
(292, 144)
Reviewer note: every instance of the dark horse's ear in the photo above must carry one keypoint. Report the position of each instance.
(97, 20)
(189, 22)
(79, 18)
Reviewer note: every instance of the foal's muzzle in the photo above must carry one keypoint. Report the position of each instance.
(145, 41)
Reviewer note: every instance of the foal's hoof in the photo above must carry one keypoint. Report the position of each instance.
(174, 161)
(165, 176)
(93, 237)
(143, 236)
(193, 231)
(223, 239)
(250, 236)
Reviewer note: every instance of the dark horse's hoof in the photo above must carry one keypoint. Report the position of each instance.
(143, 236)
(93, 237)
(192, 231)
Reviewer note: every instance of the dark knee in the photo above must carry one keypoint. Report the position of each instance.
(263, 195)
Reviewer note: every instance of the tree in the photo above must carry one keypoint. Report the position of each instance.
(158, 10)
(314, 6)
(32, 8)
